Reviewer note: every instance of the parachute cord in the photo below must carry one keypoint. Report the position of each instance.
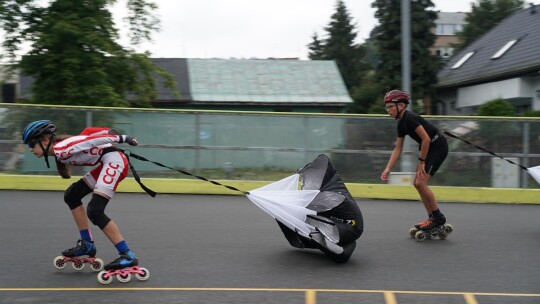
(487, 151)
(128, 153)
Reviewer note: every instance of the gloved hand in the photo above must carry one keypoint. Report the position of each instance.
(128, 139)
(131, 141)
(113, 131)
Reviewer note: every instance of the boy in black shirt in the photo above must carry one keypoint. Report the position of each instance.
(433, 151)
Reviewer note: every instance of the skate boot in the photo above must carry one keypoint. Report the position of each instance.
(430, 223)
(76, 256)
(434, 227)
(123, 267)
(82, 248)
(126, 259)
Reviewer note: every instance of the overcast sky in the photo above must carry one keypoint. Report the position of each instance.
(251, 28)
(254, 28)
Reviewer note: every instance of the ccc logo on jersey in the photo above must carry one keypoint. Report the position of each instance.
(110, 173)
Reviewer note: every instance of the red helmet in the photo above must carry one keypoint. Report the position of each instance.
(397, 96)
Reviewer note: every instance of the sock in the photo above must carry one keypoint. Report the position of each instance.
(437, 213)
(86, 235)
(122, 247)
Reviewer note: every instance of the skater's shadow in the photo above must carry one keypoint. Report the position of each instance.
(304, 259)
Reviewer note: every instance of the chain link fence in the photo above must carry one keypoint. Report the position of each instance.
(269, 146)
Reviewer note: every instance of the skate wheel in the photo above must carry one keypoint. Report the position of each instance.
(143, 275)
(104, 278)
(124, 278)
(448, 228)
(443, 235)
(97, 264)
(77, 264)
(420, 236)
(412, 232)
(59, 262)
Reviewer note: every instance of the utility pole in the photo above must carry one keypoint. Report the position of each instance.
(407, 164)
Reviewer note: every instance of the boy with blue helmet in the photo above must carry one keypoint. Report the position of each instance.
(93, 147)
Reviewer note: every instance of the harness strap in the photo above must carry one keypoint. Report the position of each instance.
(133, 171)
(137, 177)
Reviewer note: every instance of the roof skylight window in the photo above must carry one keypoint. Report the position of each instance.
(462, 60)
(505, 48)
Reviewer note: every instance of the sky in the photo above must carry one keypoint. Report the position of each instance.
(253, 28)
(250, 28)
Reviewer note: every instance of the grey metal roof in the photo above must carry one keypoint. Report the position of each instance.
(522, 58)
(177, 67)
(266, 81)
(245, 80)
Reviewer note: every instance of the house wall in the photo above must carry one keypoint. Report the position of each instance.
(465, 100)
(536, 93)
(479, 94)
(8, 86)
(446, 103)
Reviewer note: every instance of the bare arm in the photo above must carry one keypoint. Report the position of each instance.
(393, 159)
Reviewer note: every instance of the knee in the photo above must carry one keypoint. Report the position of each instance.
(419, 184)
(96, 211)
(74, 194)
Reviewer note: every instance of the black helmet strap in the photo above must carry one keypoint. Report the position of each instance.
(398, 110)
(46, 150)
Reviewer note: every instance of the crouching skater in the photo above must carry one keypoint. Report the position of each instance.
(93, 147)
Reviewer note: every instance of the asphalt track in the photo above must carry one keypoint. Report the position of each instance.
(223, 249)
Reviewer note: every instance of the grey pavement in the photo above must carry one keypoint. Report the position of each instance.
(224, 249)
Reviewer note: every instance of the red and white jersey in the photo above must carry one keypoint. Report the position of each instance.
(85, 149)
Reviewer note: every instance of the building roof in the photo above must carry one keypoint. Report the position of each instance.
(521, 58)
(266, 81)
(177, 67)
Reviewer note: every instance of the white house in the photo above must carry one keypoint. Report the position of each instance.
(503, 63)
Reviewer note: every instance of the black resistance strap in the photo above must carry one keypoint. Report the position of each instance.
(487, 151)
(129, 154)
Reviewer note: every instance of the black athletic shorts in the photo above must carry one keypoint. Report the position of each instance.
(438, 151)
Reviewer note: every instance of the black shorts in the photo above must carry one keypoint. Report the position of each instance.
(438, 151)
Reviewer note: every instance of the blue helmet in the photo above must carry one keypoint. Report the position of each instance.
(36, 129)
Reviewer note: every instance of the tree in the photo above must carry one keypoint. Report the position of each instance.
(340, 46)
(366, 95)
(74, 55)
(484, 15)
(387, 35)
(316, 48)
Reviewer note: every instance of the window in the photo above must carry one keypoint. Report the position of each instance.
(8, 92)
(462, 60)
(448, 29)
(503, 50)
(445, 52)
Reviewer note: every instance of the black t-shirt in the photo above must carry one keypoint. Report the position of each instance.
(410, 121)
